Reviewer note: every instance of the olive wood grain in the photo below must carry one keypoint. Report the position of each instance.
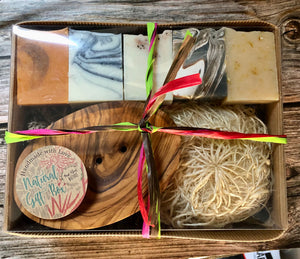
(111, 160)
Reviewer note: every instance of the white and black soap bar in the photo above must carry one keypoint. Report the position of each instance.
(95, 66)
(207, 57)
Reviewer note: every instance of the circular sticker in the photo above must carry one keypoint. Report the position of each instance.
(51, 182)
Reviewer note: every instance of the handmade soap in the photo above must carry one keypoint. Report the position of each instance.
(95, 66)
(42, 66)
(251, 67)
(136, 50)
(207, 57)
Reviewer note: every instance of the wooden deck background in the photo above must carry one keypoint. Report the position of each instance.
(284, 13)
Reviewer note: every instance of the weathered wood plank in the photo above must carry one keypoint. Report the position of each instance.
(162, 11)
(290, 74)
(5, 39)
(291, 117)
(4, 89)
(122, 11)
(2, 168)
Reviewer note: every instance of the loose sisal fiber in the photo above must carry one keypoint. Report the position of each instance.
(219, 181)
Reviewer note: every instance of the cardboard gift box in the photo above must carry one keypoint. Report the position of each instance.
(45, 86)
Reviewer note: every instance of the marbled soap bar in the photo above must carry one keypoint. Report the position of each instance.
(207, 57)
(95, 67)
(42, 66)
(251, 67)
(135, 64)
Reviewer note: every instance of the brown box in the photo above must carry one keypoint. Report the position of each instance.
(14, 220)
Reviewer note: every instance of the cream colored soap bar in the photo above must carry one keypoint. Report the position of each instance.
(135, 52)
(251, 67)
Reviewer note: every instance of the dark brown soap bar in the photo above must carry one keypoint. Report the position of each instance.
(42, 67)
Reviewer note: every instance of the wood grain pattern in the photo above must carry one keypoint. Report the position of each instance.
(275, 12)
(4, 86)
(111, 160)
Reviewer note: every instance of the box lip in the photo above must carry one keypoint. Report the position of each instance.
(10, 112)
(232, 24)
(143, 24)
(233, 235)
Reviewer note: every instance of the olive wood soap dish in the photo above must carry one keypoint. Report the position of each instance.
(111, 160)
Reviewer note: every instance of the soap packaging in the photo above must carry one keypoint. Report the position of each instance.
(76, 75)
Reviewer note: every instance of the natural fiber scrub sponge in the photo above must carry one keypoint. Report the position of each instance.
(218, 181)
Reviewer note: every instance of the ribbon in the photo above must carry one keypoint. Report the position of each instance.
(151, 218)
(152, 30)
(26, 135)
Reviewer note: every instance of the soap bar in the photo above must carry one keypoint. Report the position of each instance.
(136, 50)
(207, 57)
(95, 66)
(42, 66)
(251, 67)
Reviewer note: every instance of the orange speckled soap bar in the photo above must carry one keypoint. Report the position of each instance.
(42, 67)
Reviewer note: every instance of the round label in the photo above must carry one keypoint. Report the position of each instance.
(51, 182)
